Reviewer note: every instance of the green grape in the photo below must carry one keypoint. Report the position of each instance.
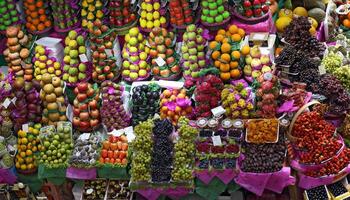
(331, 62)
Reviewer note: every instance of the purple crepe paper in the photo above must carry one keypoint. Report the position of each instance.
(225, 176)
(81, 173)
(265, 26)
(182, 102)
(154, 193)
(205, 176)
(7, 177)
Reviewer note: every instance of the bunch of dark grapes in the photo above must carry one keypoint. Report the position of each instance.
(162, 154)
(311, 77)
(311, 47)
(287, 56)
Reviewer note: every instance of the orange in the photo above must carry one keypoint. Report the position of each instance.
(29, 152)
(35, 22)
(278, 51)
(225, 40)
(245, 50)
(215, 55)
(236, 37)
(235, 73)
(225, 76)
(213, 44)
(170, 113)
(29, 160)
(42, 18)
(225, 47)
(23, 154)
(23, 167)
(219, 38)
(221, 32)
(217, 63)
(241, 32)
(346, 23)
(228, 33)
(41, 11)
(233, 64)
(224, 67)
(39, 4)
(348, 15)
(226, 57)
(41, 27)
(48, 23)
(32, 27)
(34, 14)
(31, 7)
(233, 29)
(236, 55)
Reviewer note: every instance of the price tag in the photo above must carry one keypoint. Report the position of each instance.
(84, 136)
(178, 47)
(216, 140)
(129, 131)
(2, 138)
(195, 5)
(25, 128)
(147, 43)
(160, 62)
(13, 100)
(69, 113)
(6, 103)
(218, 111)
(109, 52)
(321, 69)
(83, 58)
(117, 132)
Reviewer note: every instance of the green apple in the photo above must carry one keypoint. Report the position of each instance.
(213, 13)
(72, 79)
(219, 2)
(204, 18)
(66, 68)
(226, 14)
(142, 73)
(82, 67)
(134, 58)
(134, 67)
(133, 75)
(187, 72)
(73, 71)
(205, 11)
(82, 50)
(74, 53)
(204, 4)
(81, 76)
(80, 40)
(72, 34)
(65, 77)
(126, 64)
(143, 64)
(210, 20)
(66, 59)
(219, 19)
(66, 50)
(221, 9)
(73, 61)
(126, 72)
(212, 6)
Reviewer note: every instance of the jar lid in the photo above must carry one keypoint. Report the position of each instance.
(202, 122)
(284, 122)
(226, 123)
(238, 123)
(213, 123)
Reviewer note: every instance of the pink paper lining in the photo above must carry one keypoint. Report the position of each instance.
(154, 193)
(265, 26)
(81, 173)
(226, 175)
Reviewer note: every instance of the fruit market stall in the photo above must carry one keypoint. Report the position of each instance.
(179, 99)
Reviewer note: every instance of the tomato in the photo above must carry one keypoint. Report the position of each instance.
(122, 154)
(115, 154)
(110, 154)
(106, 145)
(124, 146)
(104, 153)
(114, 146)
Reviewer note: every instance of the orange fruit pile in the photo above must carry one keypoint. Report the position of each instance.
(36, 16)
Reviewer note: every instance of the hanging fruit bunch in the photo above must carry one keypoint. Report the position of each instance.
(65, 14)
(8, 14)
(75, 69)
(38, 16)
(180, 13)
(86, 107)
(120, 13)
(17, 54)
(135, 55)
(92, 10)
(152, 15)
(43, 63)
(164, 59)
(102, 43)
(226, 52)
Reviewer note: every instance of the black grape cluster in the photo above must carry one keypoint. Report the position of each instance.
(161, 164)
(287, 56)
(312, 78)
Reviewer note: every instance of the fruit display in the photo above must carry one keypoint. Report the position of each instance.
(262, 131)
(193, 54)
(33, 101)
(184, 149)
(142, 147)
(161, 44)
(19, 110)
(52, 97)
(114, 151)
(256, 64)
(113, 113)
(118, 189)
(102, 45)
(43, 63)
(337, 189)
(152, 15)
(180, 13)
(75, 69)
(9, 14)
(28, 145)
(37, 16)
(85, 151)
(214, 12)
(95, 189)
(207, 95)
(86, 114)
(237, 101)
(6, 160)
(174, 104)
(255, 8)
(319, 192)
(17, 54)
(6, 123)
(226, 53)
(120, 13)
(65, 15)
(145, 102)
(57, 145)
(135, 56)
(91, 12)
(267, 92)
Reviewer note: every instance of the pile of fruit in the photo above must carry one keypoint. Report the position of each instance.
(57, 145)
(44, 64)
(254, 8)
(164, 59)
(237, 101)
(6, 124)
(86, 107)
(114, 151)
(262, 131)
(118, 189)
(33, 101)
(92, 11)
(180, 13)
(28, 145)
(102, 42)
(174, 104)
(6, 160)
(113, 112)
(151, 15)
(120, 13)
(226, 52)
(17, 54)
(145, 102)
(95, 189)
(267, 92)
(193, 54)
(37, 15)
(19, 112)
(256, 64)
(214, 12)
(135, 55)
(207, 95)
(8, 14)
(85, 152)
(65, 15)
(53, 101)
(75, 69)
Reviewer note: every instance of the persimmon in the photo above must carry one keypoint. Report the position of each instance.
(235, 73)
(241, 32)
(346, 23)
(233, 64)
(41, 11)
(217, 63)
(48, 23)
(35, 22)
(236, 37)
(42, 18)
(224, 67)
(39, 4)
(233, 29)
(219, 38)
(225, 76)
(236, 55)
(221, 32)
(213, 44)
(225, 47)
(226, 57)
(41, 27)
(34, 14)
(215, 55)
(31, 7)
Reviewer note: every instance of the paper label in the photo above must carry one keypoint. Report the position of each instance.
(6, 103)
(109, 52)
(178, 47)
(83, 58)
(13, 100)
(2, 138)
(84, 136)
(160, 61)
(216, 140)
(69, 113)
(25, 128)
(117, 132)
(218, 111)
(321, 69)
(147, 43)
(195, 5)
(129, 131)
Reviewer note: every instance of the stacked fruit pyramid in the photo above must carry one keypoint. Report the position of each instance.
(38, 18)
(65, 14)
(120, 13)
(151, 15)
(214, 12)
(180, 12)
(91, 10)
